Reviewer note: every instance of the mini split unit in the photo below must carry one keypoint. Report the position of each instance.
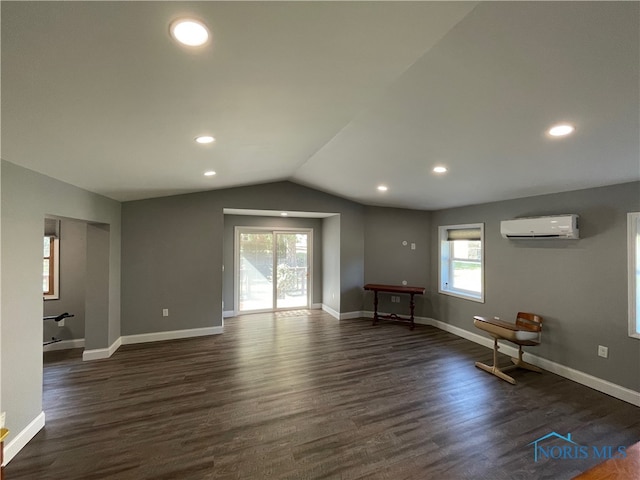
(556, 226)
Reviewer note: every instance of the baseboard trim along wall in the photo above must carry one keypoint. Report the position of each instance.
(64, 345)
(170, 335)
(228, 314)
(22, 438)
(331, 311)
(604, 386)
(342, 316)
(101, 353)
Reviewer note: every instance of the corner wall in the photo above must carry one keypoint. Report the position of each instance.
(390, 259)
(331, 265)
(27, 197)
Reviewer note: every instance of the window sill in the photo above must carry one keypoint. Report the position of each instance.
(478, 299)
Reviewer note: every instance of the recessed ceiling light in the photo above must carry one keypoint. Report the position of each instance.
(383, 188)
(205, 139)
(561, 130)
(439, 169)
(210, 173)
(190, 32)
(284, 214)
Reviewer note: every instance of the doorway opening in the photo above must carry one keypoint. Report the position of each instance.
(272, 269)
(79, 263)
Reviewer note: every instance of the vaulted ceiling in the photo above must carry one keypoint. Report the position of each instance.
(339, 96)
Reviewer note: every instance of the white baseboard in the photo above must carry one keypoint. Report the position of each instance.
(228, 314)
(340, 316)
(64, 345)
(604, 386)
(22, 438)
(331, 311)
(170, 335)
(316, 306)
(100, 353)
(461, 332)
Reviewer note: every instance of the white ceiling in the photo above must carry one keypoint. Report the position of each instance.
(338, 96)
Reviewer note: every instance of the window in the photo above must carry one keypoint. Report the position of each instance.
(633, 249)
(50, 268)
(462, 261)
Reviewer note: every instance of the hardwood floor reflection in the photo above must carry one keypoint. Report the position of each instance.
(300, 395)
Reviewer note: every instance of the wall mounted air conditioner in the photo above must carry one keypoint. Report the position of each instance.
(556, 226)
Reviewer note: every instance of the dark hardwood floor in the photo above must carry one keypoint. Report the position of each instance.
(302, 396)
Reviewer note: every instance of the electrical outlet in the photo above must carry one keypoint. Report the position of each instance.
(165, 312)
(603, 351)
(61, 323)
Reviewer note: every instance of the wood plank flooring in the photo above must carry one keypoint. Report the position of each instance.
(301, 396)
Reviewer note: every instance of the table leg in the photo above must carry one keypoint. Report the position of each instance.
(412, 305)
(375, 307)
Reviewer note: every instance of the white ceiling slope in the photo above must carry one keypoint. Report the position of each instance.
(339, 96)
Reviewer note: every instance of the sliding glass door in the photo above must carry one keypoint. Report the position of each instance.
(272, 269)
(292, 277)
(255, 272)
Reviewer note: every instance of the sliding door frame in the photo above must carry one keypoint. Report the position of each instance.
(238, 230)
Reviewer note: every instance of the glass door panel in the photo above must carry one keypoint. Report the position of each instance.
(292, 270)
(255, 274)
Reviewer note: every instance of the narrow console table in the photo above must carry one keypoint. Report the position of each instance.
(411, 291)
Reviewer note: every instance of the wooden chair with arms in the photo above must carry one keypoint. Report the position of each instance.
(526, 331)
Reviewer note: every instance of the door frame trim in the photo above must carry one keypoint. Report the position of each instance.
(238, 229)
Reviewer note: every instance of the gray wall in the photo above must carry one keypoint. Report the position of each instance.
(96, 304)
(579, 287)
(171, 258)
(26, 198)
(232, 221)
(331, 262)
(173, 252)
(388, 261)
(73, 266)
